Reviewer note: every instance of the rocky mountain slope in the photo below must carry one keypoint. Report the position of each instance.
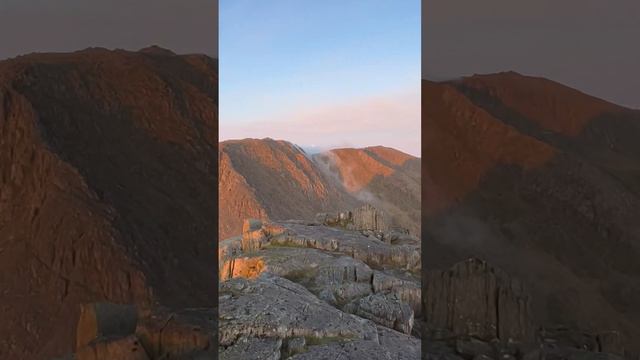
(541, 181)
(384, 177)
(107, 188)
(338, 288)
(274, 179)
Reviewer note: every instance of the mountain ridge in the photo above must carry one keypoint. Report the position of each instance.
(313, 180)
(542, 181)
(104, 158)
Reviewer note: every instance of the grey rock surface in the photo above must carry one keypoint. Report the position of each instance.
(313, 291)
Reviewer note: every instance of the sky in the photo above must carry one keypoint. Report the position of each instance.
(183, 26)
(321, 74)
(590, 45)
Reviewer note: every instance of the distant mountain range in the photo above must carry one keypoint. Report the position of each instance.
(542, 181)
(278, 180)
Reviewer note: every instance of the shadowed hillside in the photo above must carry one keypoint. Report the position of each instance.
(107, 188)
(542, 181)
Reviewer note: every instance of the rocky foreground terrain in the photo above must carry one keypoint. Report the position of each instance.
(344, 286)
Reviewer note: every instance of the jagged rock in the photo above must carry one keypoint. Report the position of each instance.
(98, 320)
(475, 299)
(174, 334)
(253, 236)
(386, 310)
(371, 251)
(125, 348)
(229, 248)
(368, 217)
(257, 348)
(344, 279)
(406, 290)
(364, 218)
(246, 267)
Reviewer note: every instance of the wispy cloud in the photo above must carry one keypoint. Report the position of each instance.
(389, 119)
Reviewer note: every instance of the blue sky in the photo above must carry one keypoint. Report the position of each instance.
(321, 73)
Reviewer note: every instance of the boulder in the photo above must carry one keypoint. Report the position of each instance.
(172, 334)
(409, 291)
(370, 250)
(368, 217)
(99, 320)
(253, 236)
(247, 267)
(385, 310)
(475, 299)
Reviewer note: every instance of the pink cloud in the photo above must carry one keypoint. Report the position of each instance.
(391, 120)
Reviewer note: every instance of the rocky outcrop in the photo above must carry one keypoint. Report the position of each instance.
(387, 310)
(321, 292)
(363, 218)
(105, 320)
(174, 334)
(468, 307)
(129, 333)
(475, 299)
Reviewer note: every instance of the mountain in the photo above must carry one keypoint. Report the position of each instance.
(107, 188)
(542, 181)
(277, 180)
(382, 176)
